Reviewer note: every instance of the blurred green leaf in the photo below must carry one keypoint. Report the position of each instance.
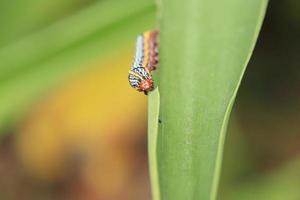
(205, 46)
(66, 34)
(19, 17)
(277, 184)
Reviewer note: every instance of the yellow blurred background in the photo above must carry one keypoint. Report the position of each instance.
(91, 129)
(72, 127)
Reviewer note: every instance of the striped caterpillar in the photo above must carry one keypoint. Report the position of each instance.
(145, 61)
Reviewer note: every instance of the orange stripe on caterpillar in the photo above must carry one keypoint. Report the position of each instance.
(145, 61)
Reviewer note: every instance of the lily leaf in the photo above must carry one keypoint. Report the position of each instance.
(205, 46)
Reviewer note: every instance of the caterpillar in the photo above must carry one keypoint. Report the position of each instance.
(144, 62)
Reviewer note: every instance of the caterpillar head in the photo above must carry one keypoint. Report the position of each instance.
(140, 79)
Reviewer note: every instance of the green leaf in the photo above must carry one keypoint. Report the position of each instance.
(204, 48)
(153, 112)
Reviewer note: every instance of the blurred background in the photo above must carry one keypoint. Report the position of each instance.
(72, 128)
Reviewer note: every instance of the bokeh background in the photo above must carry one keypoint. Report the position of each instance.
(72, 128)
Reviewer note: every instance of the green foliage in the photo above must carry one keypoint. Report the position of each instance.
(204, 48)
(277, 184)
